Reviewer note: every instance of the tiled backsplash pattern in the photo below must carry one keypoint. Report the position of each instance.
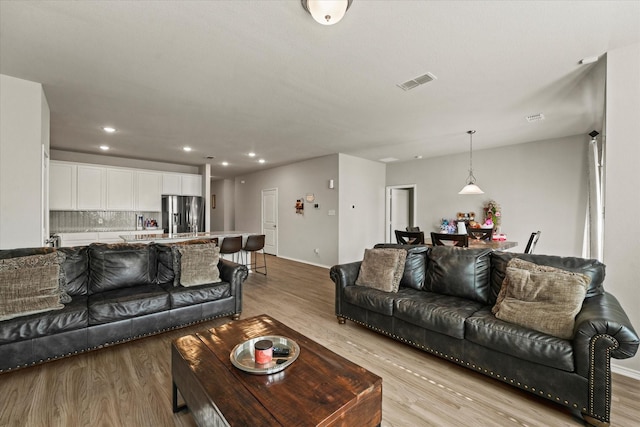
(80, 221)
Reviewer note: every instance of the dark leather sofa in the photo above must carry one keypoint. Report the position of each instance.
(119, 292)
(572, 372)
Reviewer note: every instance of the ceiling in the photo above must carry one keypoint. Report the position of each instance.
(230, 77)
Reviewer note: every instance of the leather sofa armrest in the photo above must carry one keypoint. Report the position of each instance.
(602, 330)
(233, 273)
(343, 275)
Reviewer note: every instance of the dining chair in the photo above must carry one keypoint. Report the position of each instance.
(232, 246)
(255, 243)
(480, 233)
(413, 229)
(533, 241)
(459, 240)
(409, 237)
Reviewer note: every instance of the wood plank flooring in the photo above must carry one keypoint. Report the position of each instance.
(130, 384)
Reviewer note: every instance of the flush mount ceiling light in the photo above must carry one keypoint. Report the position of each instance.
(471, 187)
(327, 12)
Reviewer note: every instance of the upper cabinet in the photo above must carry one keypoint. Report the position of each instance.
(78, 186)
(91, 188)
(149, 191)
(181, 184)
(62, 186)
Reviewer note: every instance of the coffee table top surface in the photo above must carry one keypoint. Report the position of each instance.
(317, 389)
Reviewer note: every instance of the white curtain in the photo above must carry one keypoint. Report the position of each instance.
(594, 226)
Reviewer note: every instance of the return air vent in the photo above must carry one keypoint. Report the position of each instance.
(413, 83)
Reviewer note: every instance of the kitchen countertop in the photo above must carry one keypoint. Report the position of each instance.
(178, 237)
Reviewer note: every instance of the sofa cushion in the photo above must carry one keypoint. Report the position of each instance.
(437, 312)
(31, 284)
(76, 269)
(125, 303)
(590, 267)
(196, 264)
(183, 297)
(382, 269)
(459, 272)
(370, 299)
(484, 329)
(72, 316)
(415, 266)
(165, 273)
(543, 298)
(120, 265)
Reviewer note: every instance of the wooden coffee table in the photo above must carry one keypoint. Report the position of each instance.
(320, 388)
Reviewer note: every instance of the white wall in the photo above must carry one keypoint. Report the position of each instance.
(539, 185)
(99, 159)
(622, 195)
(361, 187)
(24, 113)
(222, 217)
(298, 235)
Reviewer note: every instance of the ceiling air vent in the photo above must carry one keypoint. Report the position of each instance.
(535, 118)
(413, 83)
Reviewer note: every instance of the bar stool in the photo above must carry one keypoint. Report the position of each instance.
(231, 245)
(255, 243)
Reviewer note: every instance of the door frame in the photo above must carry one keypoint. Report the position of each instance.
(277, 232)
(388, 233)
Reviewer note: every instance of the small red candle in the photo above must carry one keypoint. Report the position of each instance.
(263, 351)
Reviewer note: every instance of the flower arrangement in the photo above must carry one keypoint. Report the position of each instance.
(492, 214)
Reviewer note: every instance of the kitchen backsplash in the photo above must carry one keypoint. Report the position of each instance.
(81, 221)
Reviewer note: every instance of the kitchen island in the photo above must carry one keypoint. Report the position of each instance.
(143, 237)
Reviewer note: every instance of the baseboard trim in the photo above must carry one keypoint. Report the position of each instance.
(627, 372)
(304, 262)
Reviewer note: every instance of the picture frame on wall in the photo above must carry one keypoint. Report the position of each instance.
(213, 201)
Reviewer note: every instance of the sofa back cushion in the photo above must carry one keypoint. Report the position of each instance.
(415, 266)
(459, 272)
(592, 268)
(120, 265)
(76, 269)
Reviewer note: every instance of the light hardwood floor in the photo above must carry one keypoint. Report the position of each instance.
(130, 384)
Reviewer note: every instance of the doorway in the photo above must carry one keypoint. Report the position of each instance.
(270, 220)
(400, 209)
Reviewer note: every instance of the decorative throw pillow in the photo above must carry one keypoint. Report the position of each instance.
(540, 297)
(29, 285)
(382, 269)
(198, 264)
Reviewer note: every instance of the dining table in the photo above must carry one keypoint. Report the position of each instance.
(496, 245)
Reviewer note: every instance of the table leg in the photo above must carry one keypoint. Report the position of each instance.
(176, 408)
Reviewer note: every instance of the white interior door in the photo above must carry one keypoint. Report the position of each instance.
(270, 220)
(401, 209)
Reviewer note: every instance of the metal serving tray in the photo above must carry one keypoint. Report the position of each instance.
(242, 355)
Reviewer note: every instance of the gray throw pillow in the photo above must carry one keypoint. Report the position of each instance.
(542, 298)
(198, 264)
(382, 269)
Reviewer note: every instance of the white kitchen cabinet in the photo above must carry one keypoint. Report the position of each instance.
(148, 194)
(119, 189)
(181, 184)
(191, 185)
(62, 186)
(171, 183)
(91, 188)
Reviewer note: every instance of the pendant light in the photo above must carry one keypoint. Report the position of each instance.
(471, 187)
(326, 12)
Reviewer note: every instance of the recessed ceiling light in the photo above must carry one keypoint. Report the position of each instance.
(389, 159)
(104, 147)
(109, 129)
(251, 154)
(187, 149)
(225, 163)
(261, 161)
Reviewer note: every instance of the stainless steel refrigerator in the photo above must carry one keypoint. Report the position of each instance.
(182, 214)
